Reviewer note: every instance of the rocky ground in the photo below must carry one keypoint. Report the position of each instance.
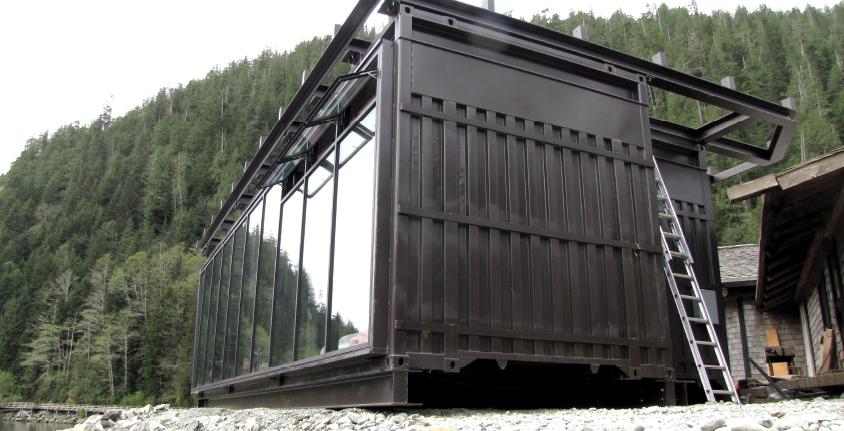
(789, 415)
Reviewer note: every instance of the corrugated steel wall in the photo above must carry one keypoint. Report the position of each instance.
(519, 239)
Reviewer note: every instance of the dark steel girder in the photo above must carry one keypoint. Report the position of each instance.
(475, 20)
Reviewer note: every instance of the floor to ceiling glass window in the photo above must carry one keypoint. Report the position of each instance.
(266, 276)
(350, 295)
(212, 316)
(200, 313)
(281, 288)
(247, 296)
(236, 281)
(287, 274)
(313, 291)
(203, 332)
(222, 311)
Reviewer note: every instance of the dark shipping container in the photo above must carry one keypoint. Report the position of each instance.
(469, 217)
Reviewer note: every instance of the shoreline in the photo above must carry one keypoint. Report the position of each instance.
(42, 417)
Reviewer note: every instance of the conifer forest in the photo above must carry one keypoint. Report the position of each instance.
(98, 270)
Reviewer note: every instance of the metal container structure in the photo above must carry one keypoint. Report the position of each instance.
(468, 217)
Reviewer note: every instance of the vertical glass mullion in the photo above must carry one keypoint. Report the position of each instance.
(275, 281)
(233, 313)
(206, 307)
(297, 306)
(222, 306)
(260, 238)
(197, 329)
(330, 288)
(287, 280)
(247, 309)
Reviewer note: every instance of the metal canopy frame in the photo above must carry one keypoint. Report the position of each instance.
(743, 108)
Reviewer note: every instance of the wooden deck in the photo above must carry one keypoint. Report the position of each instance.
(56, 408)
(823, 381)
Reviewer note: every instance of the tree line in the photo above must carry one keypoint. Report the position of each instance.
(98, 272)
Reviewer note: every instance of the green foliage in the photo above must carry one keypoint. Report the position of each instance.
(9, 391)
(97, 277)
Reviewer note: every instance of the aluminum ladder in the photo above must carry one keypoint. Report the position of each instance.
(675, 249)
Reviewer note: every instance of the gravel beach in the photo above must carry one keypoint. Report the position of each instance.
(792, 415)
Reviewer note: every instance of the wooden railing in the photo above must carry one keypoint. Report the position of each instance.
(69, 408)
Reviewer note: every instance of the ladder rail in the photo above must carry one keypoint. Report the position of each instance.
(675, 233)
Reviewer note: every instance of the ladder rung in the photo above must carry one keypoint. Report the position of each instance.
(665, 216)
(677, 254)
(715, 367)
(722, 392)
(690, 298)
(681, 275)
(706, 343)
(661, 197)
(697, 320)
(671, 235)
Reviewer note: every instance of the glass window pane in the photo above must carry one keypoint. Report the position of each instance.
(266, 275)
(287, 273)
(315, 256)
(234, 302)
(197, 343)
(247, 296)
(203, 334)
(222, 311)
(212, 319)
(362, 133)
(350, 299)
(342, 95)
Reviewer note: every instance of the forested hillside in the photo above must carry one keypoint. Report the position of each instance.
(97, 221)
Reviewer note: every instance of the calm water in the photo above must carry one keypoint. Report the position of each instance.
(31, 426)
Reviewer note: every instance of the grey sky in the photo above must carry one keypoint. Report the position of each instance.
(64, 61)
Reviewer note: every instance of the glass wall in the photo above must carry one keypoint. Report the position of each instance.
(247, 296)
(266, 277)
(293, 281)
(287, 279)
(353, 238)
(222, 310)
(236, 283)
(212, 320)
(313, 290)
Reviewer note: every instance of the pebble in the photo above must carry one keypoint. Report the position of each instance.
(788, 415)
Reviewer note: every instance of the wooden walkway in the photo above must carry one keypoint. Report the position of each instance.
(56, 408)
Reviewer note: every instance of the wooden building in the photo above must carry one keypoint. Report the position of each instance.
(790, 303)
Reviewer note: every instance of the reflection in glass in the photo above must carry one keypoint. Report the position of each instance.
(247, 300)
(287, 273)
(206, 314)
(201, 321)
(212, 319)
(315, 254)
(345, 91)
(353, 239)
(264, 302)
(239, 241)
(220, 323)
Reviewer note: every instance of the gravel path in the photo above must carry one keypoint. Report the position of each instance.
(812, 415)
